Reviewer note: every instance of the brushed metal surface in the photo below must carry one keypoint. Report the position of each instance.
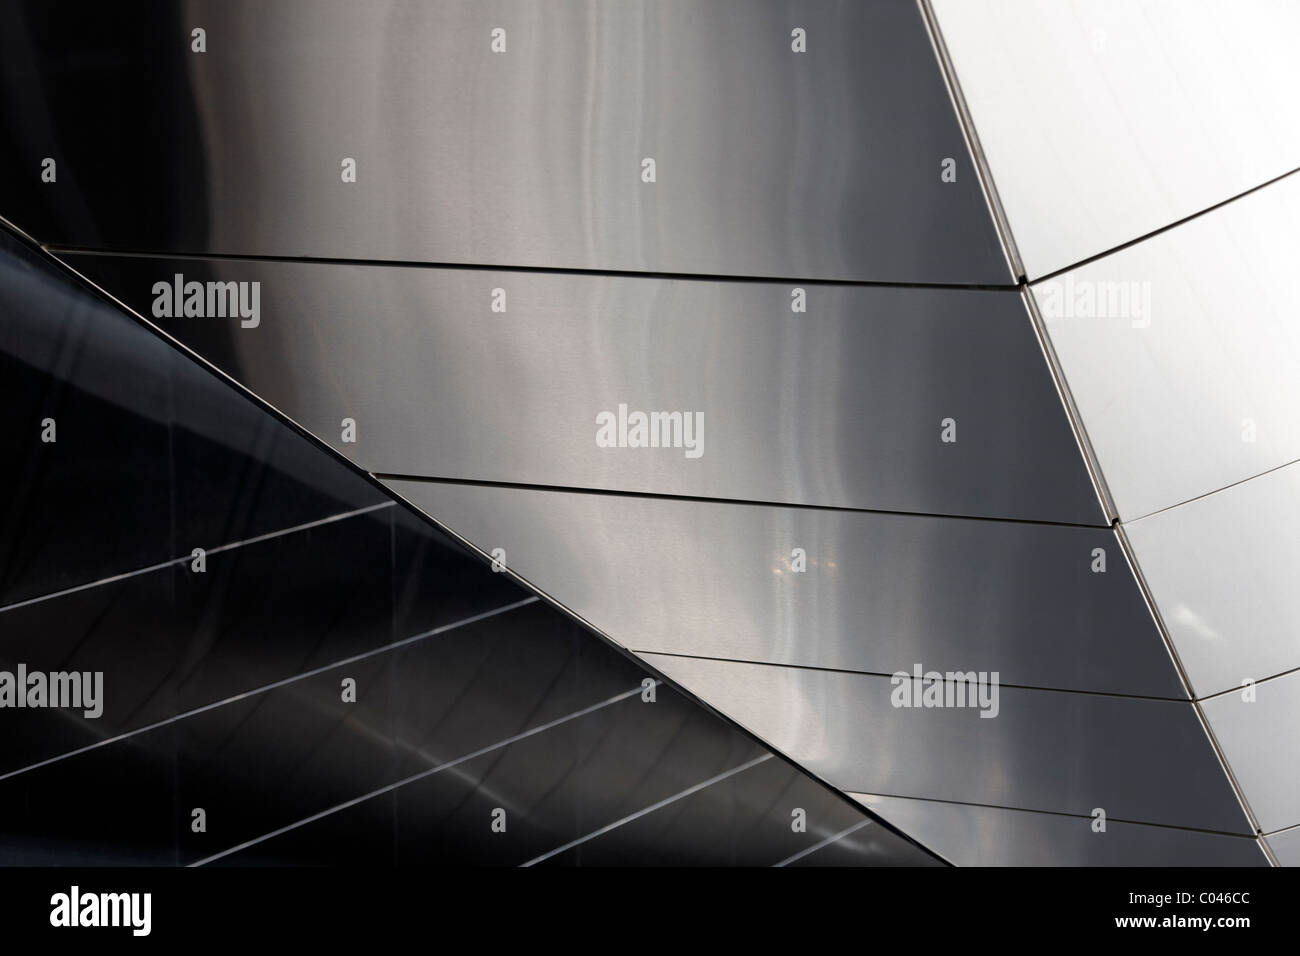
(1103, 120)
(184, 460)
(841, 405)
(1143, 761)
(1285, 846)
(880, 591)
(971, 835)
(1222, 570)
(1260, 743)
(770, 162)
(1194, 388)
(220, 685)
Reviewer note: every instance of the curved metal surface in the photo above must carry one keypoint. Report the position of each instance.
(1257, 732)
(844, 404)
(1143, 761)
(1286, 846)
(507, 154)
(970, 835)
(1103, 120)
(877, 593)
(1181, 351)
(768, 161)
(327, 659)
(1222, 570)
(191, 466)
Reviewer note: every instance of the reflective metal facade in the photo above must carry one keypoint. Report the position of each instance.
(1256, 728)
(1285, 846)
(1180, 351)
(906, 459)
(973, 835)
(1223, 569)
(1142, 760)
(841, 405)
(767, 161)
(1106, 120)
(878, 592)
(1166, 295)
(294, 669)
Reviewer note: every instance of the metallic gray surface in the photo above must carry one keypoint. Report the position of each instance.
(1260, 743)
(880, 591)
(768, 162)
(775, 164)
(1143, 761)
(1285, 846)
(1222, 570)
(221, 683)
(1165, 397)
(970, 835)
(840, 406)
(1103, 120)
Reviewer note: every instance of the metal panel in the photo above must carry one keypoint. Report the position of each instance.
(1261, 746)
(879, 592)
(1142, 761)
(768, 161)
(1286, 846)
(841, 405)
(1181, 351)
(971, 835)
(1222, 570)
(1103, 120)
(190, 462)
(525, 711)
(298, 669)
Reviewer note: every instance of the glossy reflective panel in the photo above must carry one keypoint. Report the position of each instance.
(50, 529)
(1145, 761)
(969, 835)
(127, 409)
(842, 405)
(1286, 846)
(87, 632)
(767, 161)
(522, 714)
(1261, 746)
(575, 795)
(196, 638)
(877, 593)
(846, 847)
(742, 805)
(278, 677)
(1183, 366)
(150, 457)
(336, 602)
(1223, 570)
(1103, 120)
(277, 759)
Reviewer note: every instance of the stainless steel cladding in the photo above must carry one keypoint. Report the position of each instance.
(737, 137)
(926, 400)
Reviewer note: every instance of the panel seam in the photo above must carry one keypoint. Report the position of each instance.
(1208, 831)
(966, 122)
(1172, 649)
(1086, 450)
